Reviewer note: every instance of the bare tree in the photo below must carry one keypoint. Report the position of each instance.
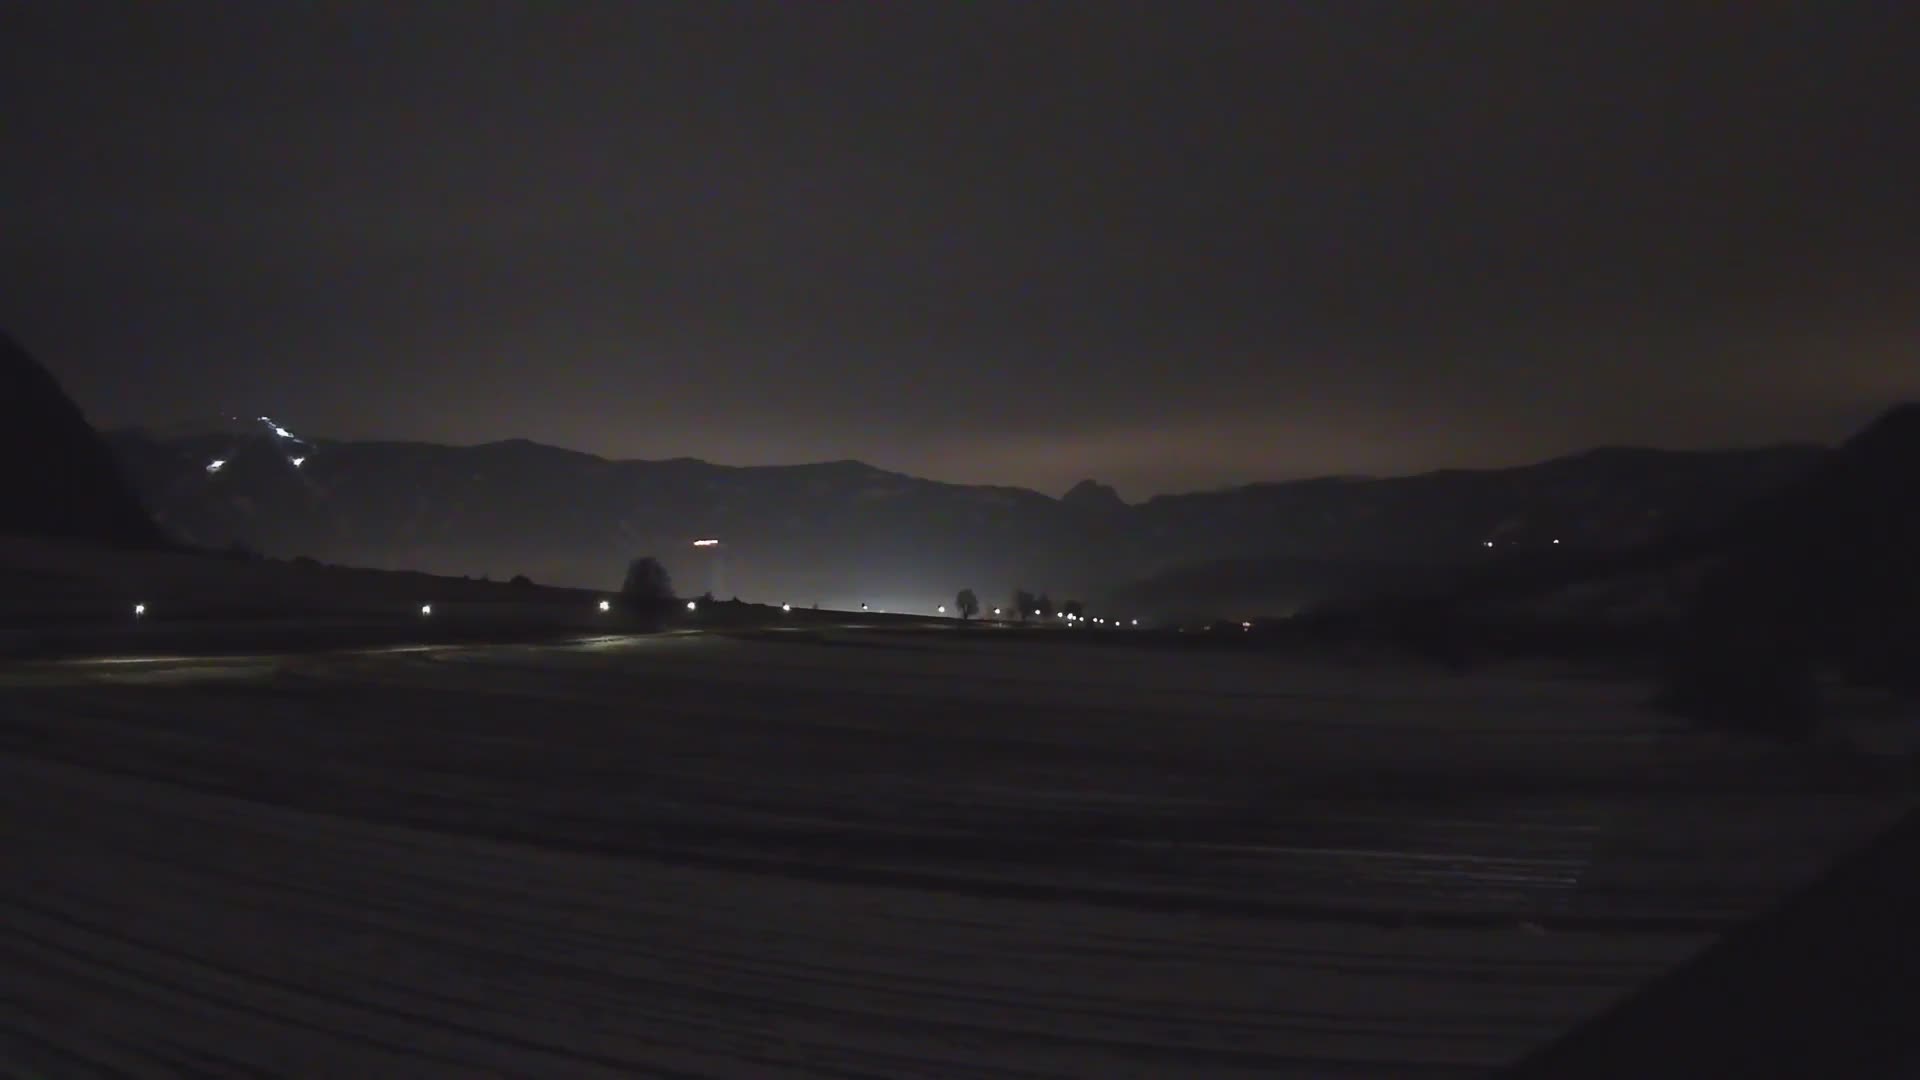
(967, 603)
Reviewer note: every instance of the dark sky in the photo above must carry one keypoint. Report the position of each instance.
(1166, 245)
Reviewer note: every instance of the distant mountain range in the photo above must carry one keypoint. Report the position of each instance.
(844, 533)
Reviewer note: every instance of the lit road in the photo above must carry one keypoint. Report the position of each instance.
(834, 853)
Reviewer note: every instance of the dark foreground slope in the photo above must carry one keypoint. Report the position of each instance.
(1822, 987)
(1823, 575)
(57, 477)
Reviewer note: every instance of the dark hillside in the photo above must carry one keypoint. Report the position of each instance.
(57, 477)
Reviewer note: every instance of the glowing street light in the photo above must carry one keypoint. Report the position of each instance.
(706, 542)
(996, 612)
(216, 465)
(426, 610)
(942, 609)
(1136, 622)
(297, 462)
(692, 606)
(139, 611)
(606, 605)
(786, 607)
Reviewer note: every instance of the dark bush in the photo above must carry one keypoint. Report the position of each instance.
(521, 581)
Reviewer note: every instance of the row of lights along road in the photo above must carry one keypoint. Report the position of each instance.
(426, 611)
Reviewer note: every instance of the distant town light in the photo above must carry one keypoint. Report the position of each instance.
(606, 605)
(1556, 539)
(786, 607)
(706, 542)
(942, 609)
(863, 607)
(1246, 626)
(426, 609)
(216, 465)
(1136, 622)
(1488, 543)
(299, 461)
(996, 611)
(692, 606)
(139, 611)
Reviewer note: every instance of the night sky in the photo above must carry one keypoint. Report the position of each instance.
(1166, 245)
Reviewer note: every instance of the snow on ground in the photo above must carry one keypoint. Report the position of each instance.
(887, 855)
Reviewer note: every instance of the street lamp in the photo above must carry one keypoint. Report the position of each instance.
(139, 611)
(426, 610)
(942, 609)
(692, 606)
(606, 605)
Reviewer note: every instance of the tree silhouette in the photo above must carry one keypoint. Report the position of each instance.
(647, 588)
(1024, 604)
(1074, 608)
(1045, 603)
(968, 604)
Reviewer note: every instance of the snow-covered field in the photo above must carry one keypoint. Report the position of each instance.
(886, 855)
